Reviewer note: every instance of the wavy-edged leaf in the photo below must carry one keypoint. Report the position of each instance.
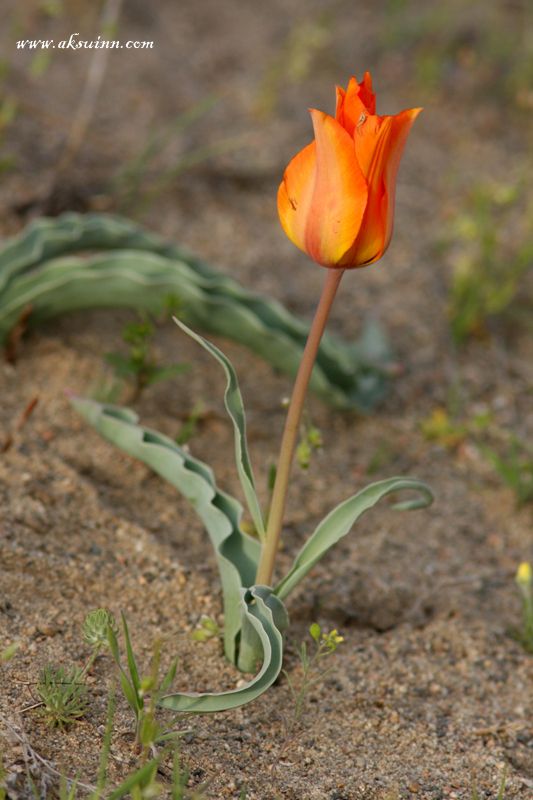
(340, 521)
(262, 617)
(235, 409)
(38, 269)
(236, 553)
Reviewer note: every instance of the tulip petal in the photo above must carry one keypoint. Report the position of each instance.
(400, 127)
(295, 194)
(355, 104)
(339, 196)
(381, 172)
(367, 136)
(323, 195)
(366, 94)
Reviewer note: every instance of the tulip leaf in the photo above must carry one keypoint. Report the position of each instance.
(339, 522)
(257, 611)
(235, 409)
(122, 265)
(237, 554)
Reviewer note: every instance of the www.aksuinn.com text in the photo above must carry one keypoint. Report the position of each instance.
(75, 43)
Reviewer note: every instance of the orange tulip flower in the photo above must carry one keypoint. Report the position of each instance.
(336, 200)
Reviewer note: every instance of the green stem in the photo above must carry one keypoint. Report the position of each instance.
(292, 424)
(90, 662)
(528, 617)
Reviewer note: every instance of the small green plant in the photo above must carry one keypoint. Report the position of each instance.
(62, 690)
(143, 783)
(450, 431)
(67, 789)
(207, 628)
(8, 652)
(325, 644)
(310, 442)
(190, 426)
(489, 257)
(142, 693)
(512, 460)
(524, 581)
(63, 694)
(515, 468)
(101, 780)
(140, 365)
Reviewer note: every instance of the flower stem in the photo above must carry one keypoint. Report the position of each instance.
(292, 424)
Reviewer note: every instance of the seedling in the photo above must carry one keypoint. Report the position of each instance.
(515, 468)
(62, 690)
(63, 694)
(67, 789)
(208, 628)
(8, 652)
(513, 461)
(449, 430)
(310, 442)
(325, 644)
(140, 365)
(142, 693)
(190, 426)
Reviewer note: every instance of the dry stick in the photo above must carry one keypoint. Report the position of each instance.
(16, 333)
(91, 90)
(22, 420)
(27, 750)
(292, 424)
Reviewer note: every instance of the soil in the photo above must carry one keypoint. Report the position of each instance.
(429, 695)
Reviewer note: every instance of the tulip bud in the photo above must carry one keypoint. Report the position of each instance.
(336, 200)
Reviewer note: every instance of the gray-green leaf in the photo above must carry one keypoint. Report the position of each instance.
(237, 554)
(41, 273)
(235, 409)
(340, 521)
(262, 618)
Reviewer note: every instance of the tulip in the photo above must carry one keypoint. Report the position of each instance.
(336, 200)
(336, 203)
